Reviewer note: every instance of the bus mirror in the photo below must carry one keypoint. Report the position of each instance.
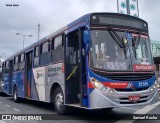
(86, 37)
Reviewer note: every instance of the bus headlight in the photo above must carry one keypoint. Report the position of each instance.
(158, 85)
(2, 84)
(111, 91)
(98, 84)
(152, 88)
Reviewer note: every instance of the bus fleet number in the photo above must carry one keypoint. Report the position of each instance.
(143, 84)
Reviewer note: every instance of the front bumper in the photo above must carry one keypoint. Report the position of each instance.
(99, 99)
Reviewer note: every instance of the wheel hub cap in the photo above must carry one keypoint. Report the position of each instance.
(59, 100)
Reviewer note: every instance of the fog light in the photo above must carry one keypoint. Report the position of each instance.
(111, 91)
(103, 88)
(154, 87)
(151, 89)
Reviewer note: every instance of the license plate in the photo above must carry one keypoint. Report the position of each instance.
(134, 98)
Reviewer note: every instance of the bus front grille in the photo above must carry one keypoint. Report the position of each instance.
(126, 76)
(131, 90)
(130, 77)
(133, 102)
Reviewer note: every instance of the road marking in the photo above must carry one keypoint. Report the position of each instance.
(7, 105)
(130, 108)
(16, 109)
(2, 121)
(147, 108)
(143, 110)
(4, 98)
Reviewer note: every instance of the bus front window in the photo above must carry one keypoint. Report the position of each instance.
(106, 53)
(141, 50)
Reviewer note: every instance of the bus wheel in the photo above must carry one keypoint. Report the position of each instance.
(15, 95)
(59, 102)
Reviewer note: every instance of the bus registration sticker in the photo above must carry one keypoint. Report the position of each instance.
(134, 98)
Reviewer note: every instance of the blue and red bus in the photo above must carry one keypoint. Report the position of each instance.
(99, 61)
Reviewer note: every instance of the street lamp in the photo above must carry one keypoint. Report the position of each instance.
(24, 36)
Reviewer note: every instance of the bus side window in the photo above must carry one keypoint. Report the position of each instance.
(22, 62)
(58, 42)
(2, 71)
(45, 53)
(6, 69)
(57, 49)
(36, 56)
(16, 60)
(3, 67)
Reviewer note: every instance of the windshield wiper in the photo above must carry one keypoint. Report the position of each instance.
(135, 44)
(135, 41)
(116, 38)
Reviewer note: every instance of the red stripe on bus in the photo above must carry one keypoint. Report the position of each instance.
(118, 85)
(90, 85)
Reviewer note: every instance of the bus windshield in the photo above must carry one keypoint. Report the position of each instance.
(141, 49)
(107, 54)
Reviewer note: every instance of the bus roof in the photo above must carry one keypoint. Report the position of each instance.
(85, 18)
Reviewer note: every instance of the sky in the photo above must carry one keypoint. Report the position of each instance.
(54, 14)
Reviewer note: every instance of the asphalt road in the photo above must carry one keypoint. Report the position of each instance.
(118, 115)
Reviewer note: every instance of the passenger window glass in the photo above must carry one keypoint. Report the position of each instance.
(16, 60)
(45, 47)
(58, 42)
(22, 57)
(36, 51)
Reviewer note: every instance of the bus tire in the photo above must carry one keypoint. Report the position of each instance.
(15, 95)
(59, 106)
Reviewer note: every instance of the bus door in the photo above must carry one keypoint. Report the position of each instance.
(73, 69)
(10, 76)
(28, 74)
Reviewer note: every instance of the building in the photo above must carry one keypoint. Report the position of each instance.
(155, 48)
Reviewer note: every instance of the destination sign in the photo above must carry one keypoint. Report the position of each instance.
(118, 20)
(140, 67)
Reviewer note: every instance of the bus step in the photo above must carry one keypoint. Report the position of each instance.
(28, 98)
(78, 105)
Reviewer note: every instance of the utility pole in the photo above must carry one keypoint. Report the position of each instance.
(24, 36)
(38, 31)
(128, 7)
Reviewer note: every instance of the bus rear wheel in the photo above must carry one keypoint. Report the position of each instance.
(59, 101)
(15, 95)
